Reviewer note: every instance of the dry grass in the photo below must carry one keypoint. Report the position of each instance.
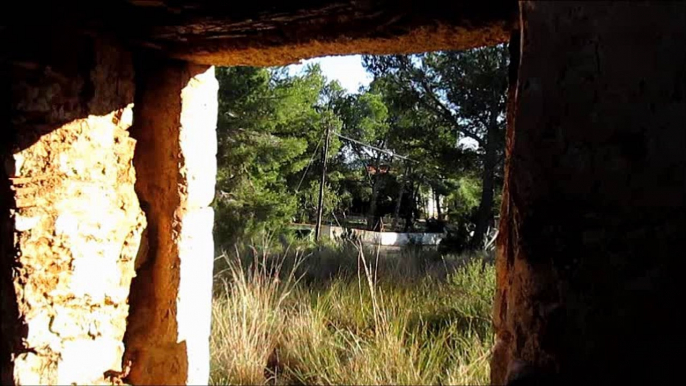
(343, 316)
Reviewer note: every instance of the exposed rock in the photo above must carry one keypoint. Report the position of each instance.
(593, 216)
(77, 221)
(593, 210)
(269, 32)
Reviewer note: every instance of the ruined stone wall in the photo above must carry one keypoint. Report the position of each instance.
(8, 303)
(276, 32)
(592, 220)
(175, 119)
(75, 221)
(593, 217)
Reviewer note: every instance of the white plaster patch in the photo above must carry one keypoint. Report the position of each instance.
(66, 224)
(68, 323)
(14, 168)
(31, 369)
(24, 223)
(101, 134)
(194, 301)
(126, 119)
(72, 166)
(85, 361)
(94, 275)
(198, 138)
(38, 331)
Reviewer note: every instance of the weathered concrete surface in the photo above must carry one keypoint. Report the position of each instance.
(8, 302)
(593, 219)
(75, 218)
(272, 32)
(168, 335)
(593, 215)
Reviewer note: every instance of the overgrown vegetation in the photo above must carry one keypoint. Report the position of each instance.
(346, 316)
(443, 110)
(338, 314)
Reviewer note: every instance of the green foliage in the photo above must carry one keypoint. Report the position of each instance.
(309, 197)
(465, 199)
(444, 110)
(448, 110)
(270, 128)
(339, 315)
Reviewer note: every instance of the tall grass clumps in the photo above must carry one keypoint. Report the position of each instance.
(343, 315)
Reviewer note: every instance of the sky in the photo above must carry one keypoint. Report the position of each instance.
(347, 70)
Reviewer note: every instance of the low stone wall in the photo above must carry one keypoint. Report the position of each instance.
(384, 238)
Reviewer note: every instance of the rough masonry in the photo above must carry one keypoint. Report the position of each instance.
(168, 334)
(593, 216)
(593, 212)
(76, 222)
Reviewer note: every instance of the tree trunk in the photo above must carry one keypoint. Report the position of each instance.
(398, 202)
(409, 217)
(589, 278)
(396, 214)
(437, 199)
(372, 219)
(484, 216)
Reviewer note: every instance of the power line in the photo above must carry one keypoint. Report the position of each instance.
(375, 148)
(320, 204)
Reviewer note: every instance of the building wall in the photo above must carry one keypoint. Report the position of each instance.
(593, 211)
(74, 215)
(593, 216)
(167, 338)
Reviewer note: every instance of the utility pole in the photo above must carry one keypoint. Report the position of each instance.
(320, 204)
(396, 214)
